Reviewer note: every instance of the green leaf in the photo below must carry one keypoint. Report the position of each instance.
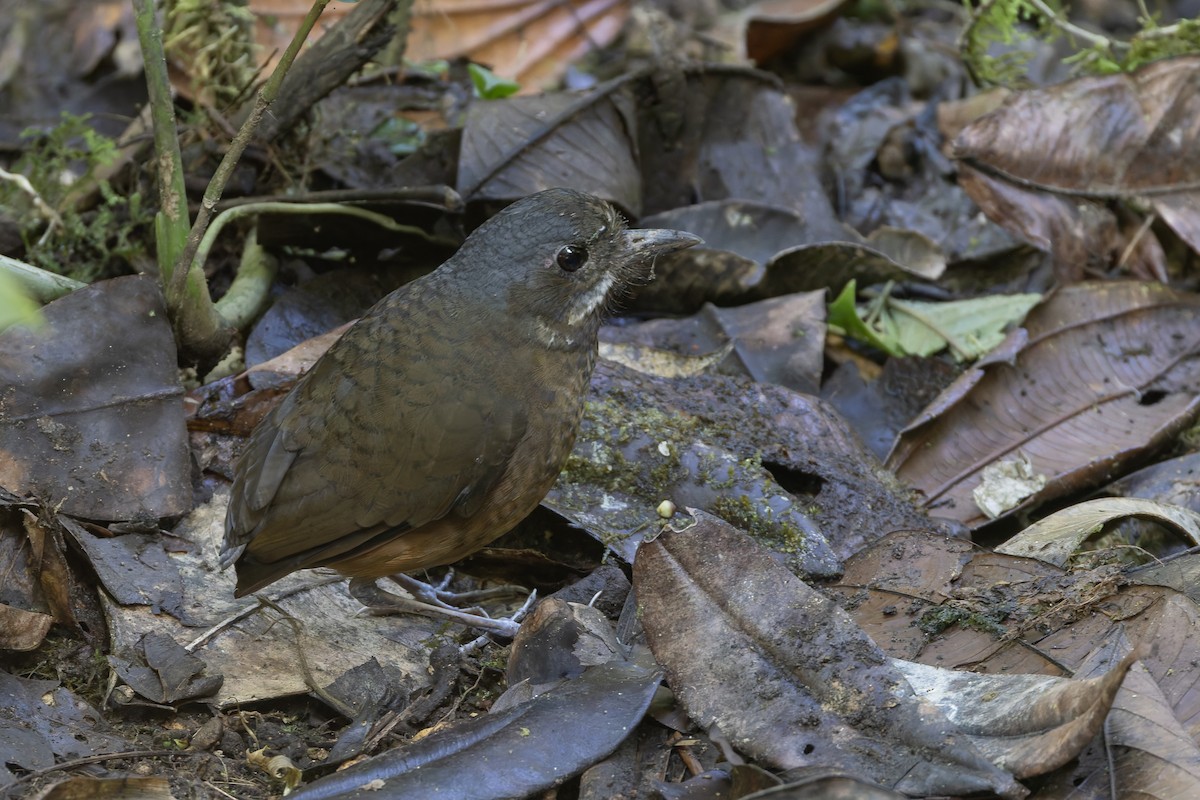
(969, 327)
(16, 306)
(489, 85)
(403, 136)
(844, 315)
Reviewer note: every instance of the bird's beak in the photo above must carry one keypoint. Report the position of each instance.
(652, 242)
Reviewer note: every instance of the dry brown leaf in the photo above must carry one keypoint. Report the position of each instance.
(786, 674)
(1152, 754)
(1026, 724)
(1100, 374)
(1080, 234)
(512, 148)
(22, 630)
(768, 27)
(1054, 539)
(90, 418)
(1123, 135)
(530, 41)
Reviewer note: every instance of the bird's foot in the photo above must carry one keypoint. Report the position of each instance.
(428, 601)
(441, 596)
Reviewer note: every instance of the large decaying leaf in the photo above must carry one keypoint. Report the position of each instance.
(1055, 538)
(523, 145)
(777, 463)
(1112, 136)
(531, 41)
(252, 645)
(1100, 374)
(1004, 615)
(786, 674)
(90, 413)
(517, 752)
(41, 721)
(726, 133)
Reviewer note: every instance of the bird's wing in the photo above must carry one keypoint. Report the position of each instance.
(345, 458)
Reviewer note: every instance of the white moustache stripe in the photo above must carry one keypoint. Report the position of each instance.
(585, 305)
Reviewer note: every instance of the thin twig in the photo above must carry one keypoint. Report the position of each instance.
(41, 205)
(309, 680)
(1069, 28)
(285, 207)
(212, 195)
(242, 613)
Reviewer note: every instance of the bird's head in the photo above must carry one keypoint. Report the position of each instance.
(556, 259)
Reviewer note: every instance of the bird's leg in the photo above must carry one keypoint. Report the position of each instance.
(425, 602)
(441, 594)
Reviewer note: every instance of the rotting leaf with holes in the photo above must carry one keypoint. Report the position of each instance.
(1100, 375)
(767, 458)
(786, 674)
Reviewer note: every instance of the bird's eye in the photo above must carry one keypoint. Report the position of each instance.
(572, 257)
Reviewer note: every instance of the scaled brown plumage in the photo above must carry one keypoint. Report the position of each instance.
(441, 418)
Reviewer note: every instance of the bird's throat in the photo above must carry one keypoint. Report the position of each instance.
(587, 303)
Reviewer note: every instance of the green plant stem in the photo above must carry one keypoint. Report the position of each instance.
(249, 290)
(171, 223)
(216, 186)
(199, 330)
(251, 286)
(1067, 27)
(285, 207)
(41, 285)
